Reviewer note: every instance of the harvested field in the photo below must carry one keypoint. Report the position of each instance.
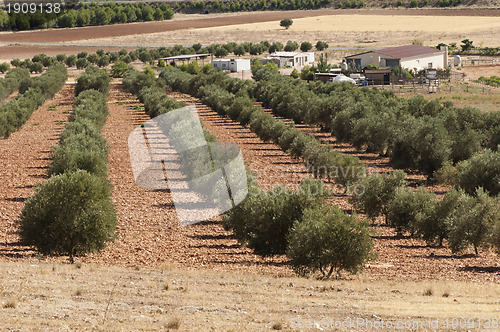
(52, 296)
(207, 21)
(345, 31)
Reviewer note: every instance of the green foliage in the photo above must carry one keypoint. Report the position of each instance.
(4, 67)
(306, 73)
(70, 214)
(327, 240)
(375, 193)
(295, 73)
(432, 222)
(81, 146)
(321, 45)
(481, 170)
(467, 45)
(492, 80)
(263, 219)
(291, 46)
(286, 23)
(93, 78)
(425, 145)
(12, 80)
(50, 82)
(306, 46)
(473, 221)
(81, 63)
(405, 208)
(88, 14)
(70, 61)
(119, 69)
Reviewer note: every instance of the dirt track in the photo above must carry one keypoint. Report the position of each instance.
(118, 30)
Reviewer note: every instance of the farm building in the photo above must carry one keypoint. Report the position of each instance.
(290, 59)
(414, 57)
(378, 76)
(233, 65)
(188, 58)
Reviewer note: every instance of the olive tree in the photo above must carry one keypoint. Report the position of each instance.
(71, 214)
(327, 240)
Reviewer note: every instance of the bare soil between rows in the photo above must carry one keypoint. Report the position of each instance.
(118, 30)
(149, 234)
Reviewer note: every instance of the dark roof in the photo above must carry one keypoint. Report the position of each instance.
(400, 52)
(407, 51)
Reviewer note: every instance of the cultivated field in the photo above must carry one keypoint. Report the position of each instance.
(160, 276)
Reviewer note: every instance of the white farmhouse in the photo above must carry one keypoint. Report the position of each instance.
(233, 65)
(412, 57)
(290, 59)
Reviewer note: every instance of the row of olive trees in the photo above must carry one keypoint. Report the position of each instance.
(480, 171)
(461, 219)
(321, 161)
(279, 221)
(102, 59)
(73, 212)
(32, 94)
(11, 82)
(415, 133)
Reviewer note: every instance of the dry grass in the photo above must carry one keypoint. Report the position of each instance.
(486, 99)
(58, 296)
(330, 23)
(338, 30)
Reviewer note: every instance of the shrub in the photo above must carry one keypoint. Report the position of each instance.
(473, 220)
(134, 81)
(81, 63)
(70, 61)
(481, 170)
(305, 46)
(50, 82)
(15, 114)
(71, 214)
(431, 222)
(327, 240)
(4, 67)
(263, 219)
(12, 81)
(405, 207)
(93, 78)
(376, 193)
(286, 23)
(291, 46)
(119, 69)
(321, 45)
(425, 145)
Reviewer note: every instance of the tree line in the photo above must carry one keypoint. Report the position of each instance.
(87, 14)
(73, 213)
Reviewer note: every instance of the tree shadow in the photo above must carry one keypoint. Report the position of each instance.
(16, 199)
(481, 269)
